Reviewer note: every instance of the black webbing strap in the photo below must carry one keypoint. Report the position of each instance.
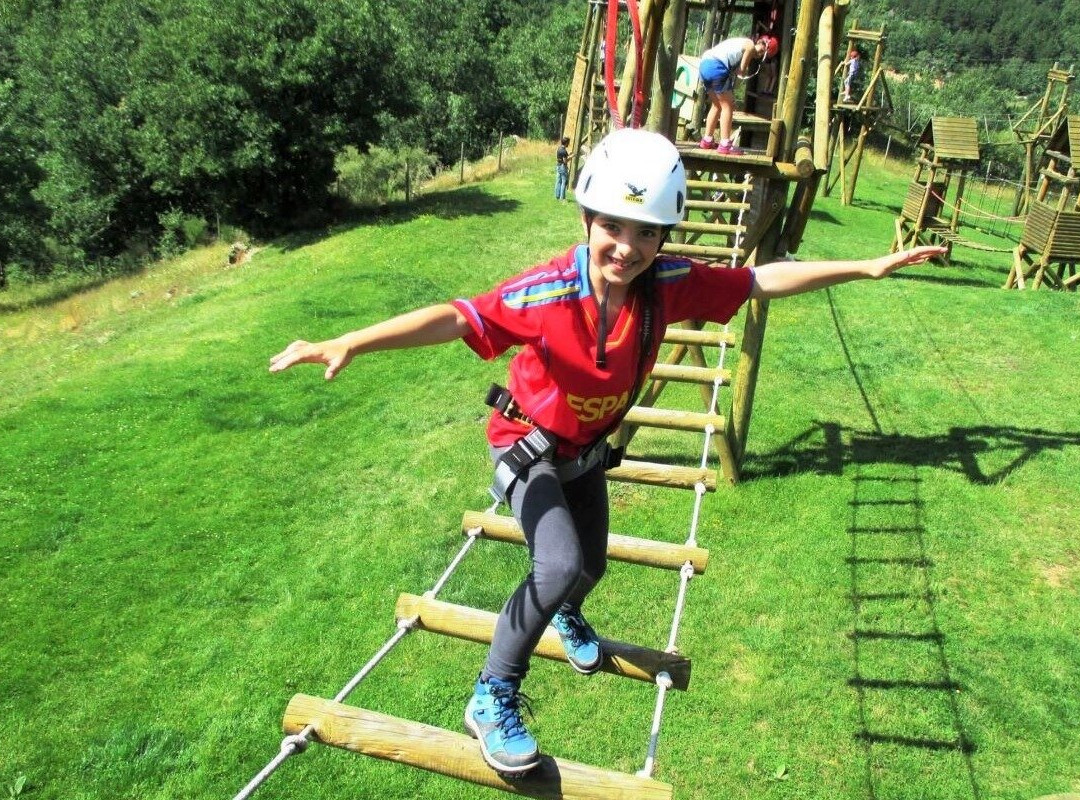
(526, 451)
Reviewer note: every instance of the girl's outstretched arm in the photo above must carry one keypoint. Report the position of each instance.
(431, 325)
(786, 278)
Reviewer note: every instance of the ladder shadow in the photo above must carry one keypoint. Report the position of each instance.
(984, 454)
(908, 716)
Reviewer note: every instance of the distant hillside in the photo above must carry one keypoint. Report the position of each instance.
(1015, 42)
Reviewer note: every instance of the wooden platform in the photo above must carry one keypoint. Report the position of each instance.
(457, 755)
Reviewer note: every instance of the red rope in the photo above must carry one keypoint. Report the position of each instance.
(639, 92)
(609, 63)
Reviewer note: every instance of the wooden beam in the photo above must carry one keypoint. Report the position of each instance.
(476, 625)
(670, 475)
(457, 755)
(629, 549)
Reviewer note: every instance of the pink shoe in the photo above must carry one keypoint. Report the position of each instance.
(729, 150)
(708, 144)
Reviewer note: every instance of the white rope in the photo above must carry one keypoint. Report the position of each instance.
(297, 743)
(686, 572)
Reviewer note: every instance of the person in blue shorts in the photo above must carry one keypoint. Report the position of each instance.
(720, 65)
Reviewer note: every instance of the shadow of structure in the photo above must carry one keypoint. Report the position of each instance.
(909, 721)
(985, 454)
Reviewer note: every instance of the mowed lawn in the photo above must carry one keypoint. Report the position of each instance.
(890, 609)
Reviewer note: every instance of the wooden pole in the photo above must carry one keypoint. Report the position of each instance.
(498, 164)
(667, 60)
(823, 103)
(795, 93)
(461, 174)
(860, 145)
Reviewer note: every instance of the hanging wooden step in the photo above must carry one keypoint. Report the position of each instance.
(670, 475)
(716, 186)
(716, 205)
(701, 251)
(629, 549)
(457, 755)
(476, 625)
(719, 228)
(674, 419)
(690, 374)
(713, 338)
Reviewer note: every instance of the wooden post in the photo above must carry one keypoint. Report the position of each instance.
(823, 103)
(849, 189)
(795, 93)
(408, 187)
(457, 755)
(461, 174)
(498, 163)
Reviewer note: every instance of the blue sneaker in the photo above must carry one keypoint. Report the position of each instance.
(493, 717)
(580, 640)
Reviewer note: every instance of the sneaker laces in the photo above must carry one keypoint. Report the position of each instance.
(509, 702)
(579, 632)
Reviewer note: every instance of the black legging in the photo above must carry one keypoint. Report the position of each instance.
(566, 528)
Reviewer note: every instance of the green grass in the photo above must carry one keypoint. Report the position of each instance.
(188, 541)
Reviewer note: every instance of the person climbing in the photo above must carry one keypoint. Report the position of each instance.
(562, 168)
(719, 67)
(851, 67)
(589, 324)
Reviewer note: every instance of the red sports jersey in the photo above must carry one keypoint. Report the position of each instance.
(549, 310)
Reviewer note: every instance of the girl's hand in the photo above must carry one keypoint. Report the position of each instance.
(333, 353)
(905, 258)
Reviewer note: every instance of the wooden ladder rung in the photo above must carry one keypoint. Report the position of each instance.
(716, 205)
(690, 374)
(714, 338)
(674, 249)
(674, 419)
(457, 755)
(629, 549)
(476, 625)
(662, 475)
(716, 186)
(709, 227)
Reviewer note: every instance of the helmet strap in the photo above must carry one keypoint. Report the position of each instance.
(601, 332)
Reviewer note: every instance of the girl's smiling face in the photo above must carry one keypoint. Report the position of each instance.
(620, 249)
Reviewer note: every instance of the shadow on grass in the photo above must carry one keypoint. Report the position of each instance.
(467, 201)
(984, 454)
(824, 216)
(53, 293)
(873, 205)
(983, 282)
(908, 715)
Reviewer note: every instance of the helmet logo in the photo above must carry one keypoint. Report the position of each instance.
(635, 195)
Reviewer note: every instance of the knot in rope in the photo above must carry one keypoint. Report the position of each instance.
(297, 743)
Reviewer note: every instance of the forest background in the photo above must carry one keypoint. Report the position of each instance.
(132, 129)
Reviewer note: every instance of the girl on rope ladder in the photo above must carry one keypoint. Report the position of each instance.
(588, 324)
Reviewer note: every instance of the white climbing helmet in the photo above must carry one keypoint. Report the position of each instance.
(634, 174)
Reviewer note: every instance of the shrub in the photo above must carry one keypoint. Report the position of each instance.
(379, 175)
